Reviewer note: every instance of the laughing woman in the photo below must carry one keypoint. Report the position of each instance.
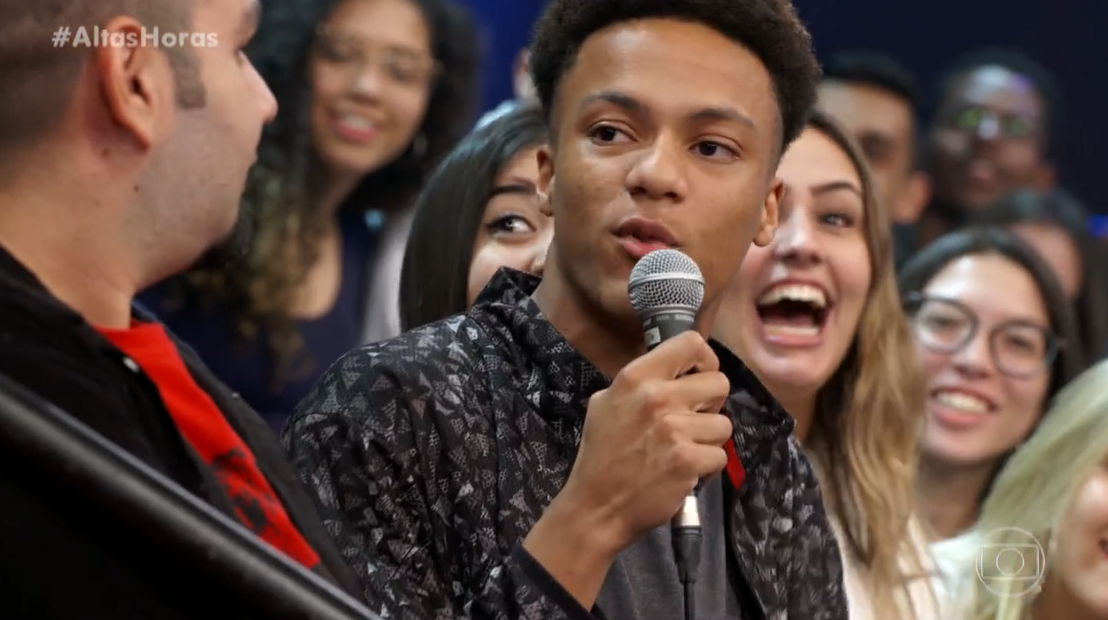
(817, 317)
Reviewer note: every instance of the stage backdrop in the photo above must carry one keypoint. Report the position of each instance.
(1065, 35)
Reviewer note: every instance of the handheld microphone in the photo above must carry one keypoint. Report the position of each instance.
(666, 290)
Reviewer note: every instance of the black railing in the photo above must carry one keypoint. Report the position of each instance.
(97, 476)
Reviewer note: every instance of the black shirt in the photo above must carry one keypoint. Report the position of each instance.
(433, 454)
(249, 366)
(49, 349)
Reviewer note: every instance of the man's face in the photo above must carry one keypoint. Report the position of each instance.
(883, 125)
(204, 164)
(661, 128)
(988, 139)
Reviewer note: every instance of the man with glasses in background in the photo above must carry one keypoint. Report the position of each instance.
(996, 112)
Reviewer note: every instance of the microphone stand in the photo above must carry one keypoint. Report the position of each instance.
(686, 549)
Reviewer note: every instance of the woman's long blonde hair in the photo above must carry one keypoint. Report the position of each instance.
(1031, 494)
(869, 418)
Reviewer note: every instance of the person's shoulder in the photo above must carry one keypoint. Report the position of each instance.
(411, 371)
(39, 334)
(759, 412)
(443, 348)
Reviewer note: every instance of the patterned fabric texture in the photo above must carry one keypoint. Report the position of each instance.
(432, 455)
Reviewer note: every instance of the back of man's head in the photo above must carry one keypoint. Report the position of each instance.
(42, 57)
(146, 108)
(770, 29)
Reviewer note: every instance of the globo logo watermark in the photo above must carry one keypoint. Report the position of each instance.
(1011, 562)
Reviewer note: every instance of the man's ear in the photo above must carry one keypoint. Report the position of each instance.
(546, 179)
(916, 195)
(767, 228)
(136, 81)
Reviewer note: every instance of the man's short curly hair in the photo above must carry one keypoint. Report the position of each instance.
(770, 29)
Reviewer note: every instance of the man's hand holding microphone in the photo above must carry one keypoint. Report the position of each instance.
(647, 441)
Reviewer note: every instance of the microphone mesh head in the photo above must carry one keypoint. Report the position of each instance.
(665, 278)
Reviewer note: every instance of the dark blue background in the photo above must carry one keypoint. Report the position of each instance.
(1065, 35)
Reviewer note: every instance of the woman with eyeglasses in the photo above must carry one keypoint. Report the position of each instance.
(1054, 223)
(997, 339)
(372, 94)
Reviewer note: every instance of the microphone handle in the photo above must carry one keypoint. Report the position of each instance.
(689, 515)
(665, 323)
(658, 326)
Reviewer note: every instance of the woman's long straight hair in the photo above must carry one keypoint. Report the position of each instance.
(869, 419)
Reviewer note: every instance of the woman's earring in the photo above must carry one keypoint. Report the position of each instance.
(544, 203)
(419, 146)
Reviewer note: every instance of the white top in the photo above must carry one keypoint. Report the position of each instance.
(953, 557)
(382, 307)
(926, 602)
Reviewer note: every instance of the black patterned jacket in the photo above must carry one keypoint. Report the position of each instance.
(433, 454)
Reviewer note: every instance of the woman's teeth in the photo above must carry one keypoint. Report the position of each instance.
(794, 292)
(962, 402)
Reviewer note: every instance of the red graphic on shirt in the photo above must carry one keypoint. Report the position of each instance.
(202, 424)
(735, 469)
(251, 505)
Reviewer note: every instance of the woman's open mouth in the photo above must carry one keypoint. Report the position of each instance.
(792, 313)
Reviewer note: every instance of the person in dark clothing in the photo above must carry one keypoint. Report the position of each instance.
(119, 169)
(995, 116)
(876, 99)
(524, 459)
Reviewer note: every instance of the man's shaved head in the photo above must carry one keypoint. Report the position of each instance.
(38, 78)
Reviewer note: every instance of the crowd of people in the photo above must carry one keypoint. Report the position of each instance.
(299, 277)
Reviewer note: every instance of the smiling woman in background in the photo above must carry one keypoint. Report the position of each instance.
(1054, 223)
(372, 93)
(816, 316)
(1051, 498)
(997, 338)
(479, 212)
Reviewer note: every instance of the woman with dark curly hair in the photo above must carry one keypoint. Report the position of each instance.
(372, 94)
